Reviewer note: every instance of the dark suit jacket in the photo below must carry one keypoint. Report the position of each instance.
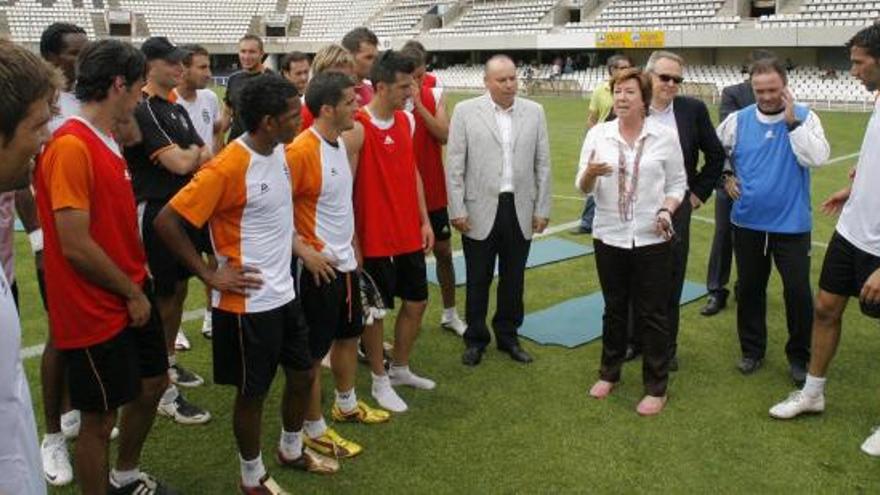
(696, 133)
(734, 98)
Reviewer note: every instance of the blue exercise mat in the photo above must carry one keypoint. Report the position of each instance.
(542, 252)
(579, 321)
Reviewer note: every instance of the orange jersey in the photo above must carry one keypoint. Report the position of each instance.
(245, 198)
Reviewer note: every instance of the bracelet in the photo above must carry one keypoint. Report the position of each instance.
(36, 239)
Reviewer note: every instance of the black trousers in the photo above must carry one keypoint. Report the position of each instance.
(639, 278)
(721, 255)
(679, 249)
(510, 248)
(755, 251)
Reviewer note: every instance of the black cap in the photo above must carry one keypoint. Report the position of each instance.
(158, 47)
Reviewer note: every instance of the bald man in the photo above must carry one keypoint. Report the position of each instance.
(498, 178)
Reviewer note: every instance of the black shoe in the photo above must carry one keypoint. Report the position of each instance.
(747, 366)
(798, 374)
(146, 485)
(714, 304)
(631, 353)
(673, 364)
(472, 356)
(517, 353)
(580, 231)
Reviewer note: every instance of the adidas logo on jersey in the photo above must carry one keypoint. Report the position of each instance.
(388, 140)
(769, 134)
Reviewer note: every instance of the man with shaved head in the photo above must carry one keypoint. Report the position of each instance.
(498, 176)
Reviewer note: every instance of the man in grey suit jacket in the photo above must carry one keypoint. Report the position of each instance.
(498, 181)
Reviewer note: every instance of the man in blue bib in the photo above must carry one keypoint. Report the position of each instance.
(771, 145)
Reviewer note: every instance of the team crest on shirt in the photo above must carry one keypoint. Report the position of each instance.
(264, 188)
(388, 141)
(769, 134)
(4, 287)
(333, 172)
(206, 116)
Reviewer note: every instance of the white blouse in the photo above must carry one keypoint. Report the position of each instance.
(661, 175)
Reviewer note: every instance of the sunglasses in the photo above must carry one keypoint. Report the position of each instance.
(666, 78)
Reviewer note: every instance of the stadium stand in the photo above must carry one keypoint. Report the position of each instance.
(221, 23)
(808, 83)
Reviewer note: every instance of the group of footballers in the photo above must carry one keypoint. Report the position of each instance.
(306, 203)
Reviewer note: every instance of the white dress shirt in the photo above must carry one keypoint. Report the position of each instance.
(665, 117)
(504, 119)
(661, 176)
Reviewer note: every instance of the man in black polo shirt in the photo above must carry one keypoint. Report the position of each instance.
(161, 164)
(250, 58)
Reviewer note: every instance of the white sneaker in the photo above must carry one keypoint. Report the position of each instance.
(405, 376)
(207, 325)
(56, 462)
(70, 423)
(796, 404)
(181, 343)
(455, 324)
(388, 398)
(871, 445)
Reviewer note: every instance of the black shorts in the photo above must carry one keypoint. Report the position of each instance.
(108, 375)
(333, 310)
(166, 269)
(402, 276)
(249, 347)
(440, 224)
(846, 268)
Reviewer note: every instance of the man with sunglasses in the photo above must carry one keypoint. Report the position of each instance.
(600, 110)
(689, 118)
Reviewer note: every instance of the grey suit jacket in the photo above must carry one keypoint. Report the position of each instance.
(474, 163)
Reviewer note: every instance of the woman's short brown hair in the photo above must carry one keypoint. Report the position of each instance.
(640, 77)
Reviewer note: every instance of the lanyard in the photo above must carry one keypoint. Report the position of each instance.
(627, 195)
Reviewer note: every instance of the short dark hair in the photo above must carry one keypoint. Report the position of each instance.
(24, 79)
(640, 77)
(289, 58)
(262, 96)
(414, 45)
(101, 62)
(353, 39)
(388, 64)
(252, 37)
(615, 59)
(326, 88)
(767, 66)
(868, 39)
(413, 53)
(192, 50)
(52, 39)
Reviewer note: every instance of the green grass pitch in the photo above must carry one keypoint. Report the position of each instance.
(508, 428)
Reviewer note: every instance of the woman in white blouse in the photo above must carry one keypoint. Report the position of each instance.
(635, 170)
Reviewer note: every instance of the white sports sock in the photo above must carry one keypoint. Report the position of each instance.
(172, 360)
(315, 429)
(449, 314)
(381, 380)
(814, 386)
(207, 316)
(53, 438)
(346, 401)
(400, 370)
(123, 478)
(252, 471)
(291, 444)
(170, 395)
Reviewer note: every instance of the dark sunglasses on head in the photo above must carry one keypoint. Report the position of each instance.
(666, 78)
